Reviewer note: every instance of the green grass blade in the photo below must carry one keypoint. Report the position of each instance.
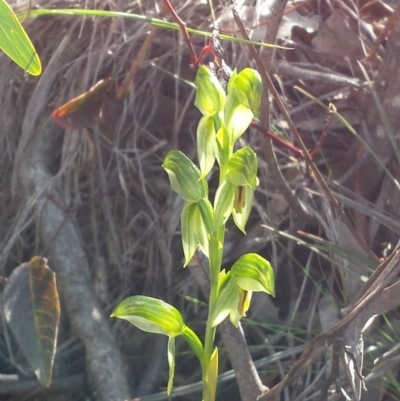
(15, 42)
(152, 21)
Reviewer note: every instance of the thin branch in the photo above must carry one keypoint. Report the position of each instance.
(184, 31)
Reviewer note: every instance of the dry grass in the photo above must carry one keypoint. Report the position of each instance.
(128, 218)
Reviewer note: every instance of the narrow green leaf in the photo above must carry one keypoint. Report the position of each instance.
(210, 96)
(207, 214)
(32, 311)
(206, 144)
(224, 146)
(223, 203)
(171, 363)
(194, 231)
(151, 315)
(211, 377)
(194, 342)
(216, 251)
(15, 42)
(189, 237)
(228, 299)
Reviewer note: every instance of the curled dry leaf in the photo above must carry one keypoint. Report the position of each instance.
(32, 311)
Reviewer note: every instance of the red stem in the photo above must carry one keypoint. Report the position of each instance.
(185, 33)
(276, 138)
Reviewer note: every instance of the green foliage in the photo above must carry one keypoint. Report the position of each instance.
(251, 272)
(194, 231)
(15, 42)
(151, 315)
(185, 177)
(210, 96)
(225, 119)
(156, 316)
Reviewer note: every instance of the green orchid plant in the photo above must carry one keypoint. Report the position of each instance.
(226, 116)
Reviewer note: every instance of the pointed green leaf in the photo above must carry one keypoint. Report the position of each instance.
(207, 214)
(211, 377)
(224, 146)
(216, 251)
(171, 363)
(151, 315)
(242, 167)
(32, 311)
(194, 231)
(242, 206)
(15, 42)
(242, 102)
(189, 236)
(184, 176)
(206, 144)
(223, 203)
(254, 273)
(231, 81)
(228, 298)
(210, 96)
(237, 118)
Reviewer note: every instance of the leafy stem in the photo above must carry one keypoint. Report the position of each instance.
(226, 116)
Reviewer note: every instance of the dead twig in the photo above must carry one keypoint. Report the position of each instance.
(310, 75)
(182, 25)
(377, 298)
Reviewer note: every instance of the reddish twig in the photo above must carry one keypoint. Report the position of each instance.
(279, 140)
(182, 25)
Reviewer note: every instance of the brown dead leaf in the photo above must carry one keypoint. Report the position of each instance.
(335, 37)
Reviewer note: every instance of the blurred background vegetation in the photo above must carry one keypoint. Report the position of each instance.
(125, 220)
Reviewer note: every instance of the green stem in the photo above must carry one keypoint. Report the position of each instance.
(215, 254)
(194, 342)
(215, 261)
